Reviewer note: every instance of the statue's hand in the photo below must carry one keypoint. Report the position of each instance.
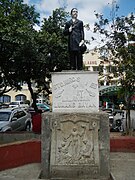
(70, 29)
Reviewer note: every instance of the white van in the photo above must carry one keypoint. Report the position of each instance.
(41, 101)
(20, 104)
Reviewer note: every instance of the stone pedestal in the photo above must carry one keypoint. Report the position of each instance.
(75, 136)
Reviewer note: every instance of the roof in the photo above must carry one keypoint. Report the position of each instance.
(8, 109)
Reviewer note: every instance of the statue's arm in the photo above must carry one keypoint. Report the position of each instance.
(82, 30)
(66, 30)
(82, 33)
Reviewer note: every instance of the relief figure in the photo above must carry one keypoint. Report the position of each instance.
(75, 142)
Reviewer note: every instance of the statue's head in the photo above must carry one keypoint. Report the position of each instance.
(74, 13)
(74, 129)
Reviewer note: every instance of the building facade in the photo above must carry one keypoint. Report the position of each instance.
(108, 85)
(13, 95)
(93, 61)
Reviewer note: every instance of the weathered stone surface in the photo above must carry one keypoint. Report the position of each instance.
(75, 136)
(45, 146)
(79, 147)
(75, 91)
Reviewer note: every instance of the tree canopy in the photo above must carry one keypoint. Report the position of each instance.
(16, 19)
(53, 42)
(27, 55)
(119, 44)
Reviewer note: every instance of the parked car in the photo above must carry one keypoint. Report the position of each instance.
(14, 119)
(21, 104)
(3, 105)
(43, 107)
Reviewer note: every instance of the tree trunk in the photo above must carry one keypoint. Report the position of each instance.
(33, 95)
(128, 118)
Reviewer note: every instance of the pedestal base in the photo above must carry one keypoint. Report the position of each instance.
(75, 146)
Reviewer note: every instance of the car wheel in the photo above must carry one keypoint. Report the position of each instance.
(9, 130)
(28, 126)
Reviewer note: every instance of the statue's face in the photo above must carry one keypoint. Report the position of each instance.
(74, 13)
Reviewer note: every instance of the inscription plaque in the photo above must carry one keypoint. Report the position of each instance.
(75, 91)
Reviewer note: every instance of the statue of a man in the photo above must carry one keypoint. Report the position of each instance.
(75, 31)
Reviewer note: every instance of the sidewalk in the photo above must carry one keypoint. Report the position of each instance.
(122, 168)
(26, 172)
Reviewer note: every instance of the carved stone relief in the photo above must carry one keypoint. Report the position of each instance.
(76, 141)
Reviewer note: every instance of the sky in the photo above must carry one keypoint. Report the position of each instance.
(86, 10)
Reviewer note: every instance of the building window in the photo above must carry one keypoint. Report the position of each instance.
(20, 97)
(5, 99)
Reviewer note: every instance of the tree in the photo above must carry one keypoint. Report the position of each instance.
(52, 41)
(119, 41)
(20, 60)
(27, 55)
(15, 19)
(50, 52)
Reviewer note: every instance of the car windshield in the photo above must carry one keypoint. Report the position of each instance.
(4, 116)
(42, 105)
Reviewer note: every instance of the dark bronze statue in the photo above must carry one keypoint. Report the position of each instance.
(75, 31)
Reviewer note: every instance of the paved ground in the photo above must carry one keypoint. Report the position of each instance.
(122, 168)
(26, 172)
